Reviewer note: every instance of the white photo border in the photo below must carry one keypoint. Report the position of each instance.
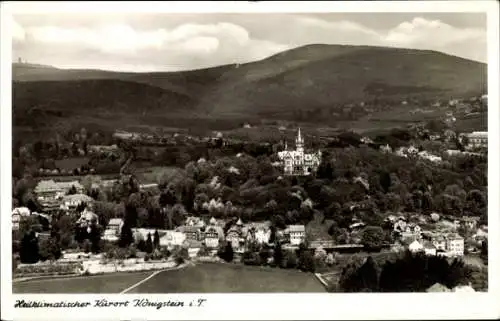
(261, 306)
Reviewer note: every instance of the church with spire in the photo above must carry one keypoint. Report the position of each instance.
(297, 162)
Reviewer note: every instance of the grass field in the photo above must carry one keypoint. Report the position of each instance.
(203, 278)
(107, 283)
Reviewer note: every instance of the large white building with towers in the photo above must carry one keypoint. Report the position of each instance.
(297, 162)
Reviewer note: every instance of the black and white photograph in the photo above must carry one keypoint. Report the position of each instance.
(247, 152)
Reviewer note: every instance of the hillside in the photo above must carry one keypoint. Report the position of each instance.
(313, 79)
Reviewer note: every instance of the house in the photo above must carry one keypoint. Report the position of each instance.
(297, 162)
(172, 238)
(50, 188)
(439, 242)
(411, 232)
(87, 218)
(148, 187)
(115, 224)
(234, 236)
(50, 193)
(297, 234)
(477, 140)
(357, 226)
(110, 236)
(415, 247)
(429, 248)
(213, 235)
(193, 247)
(455, 244)
(195, 221)
(259, 232)
(17, 214)
(192, 232)
(103, 149)
(470, 222)
(71, 202)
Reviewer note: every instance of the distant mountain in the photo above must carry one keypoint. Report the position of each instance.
(308, 78)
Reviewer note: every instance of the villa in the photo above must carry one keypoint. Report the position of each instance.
(297, 162)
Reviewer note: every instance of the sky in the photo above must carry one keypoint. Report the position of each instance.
(178, 41)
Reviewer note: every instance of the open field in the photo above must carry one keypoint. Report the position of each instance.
(203, 278)
(223, 278)
(106, 283)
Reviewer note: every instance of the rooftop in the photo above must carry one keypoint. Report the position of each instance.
(296, 228)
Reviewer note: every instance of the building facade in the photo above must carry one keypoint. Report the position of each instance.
(297, 162)
(455, 245)
(477, 140)
(297, 234)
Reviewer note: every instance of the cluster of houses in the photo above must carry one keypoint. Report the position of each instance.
(196, 233)
(51, 195)
(445, 242)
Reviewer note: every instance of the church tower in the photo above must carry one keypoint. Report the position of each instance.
(299, 143)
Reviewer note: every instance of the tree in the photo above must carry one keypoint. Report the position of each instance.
(28, 251)
(72, 190)
(228, 253)
(372, 237)
(95, 238)
(306, 261)
(149, 244)
(87, 246)
(278, 254)
(290, 260)
(126, 236)
(50, 249)
(156, 240)
(362, 278)
(484, 251)
(368, 275)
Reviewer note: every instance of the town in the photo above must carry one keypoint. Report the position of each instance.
(291, 200)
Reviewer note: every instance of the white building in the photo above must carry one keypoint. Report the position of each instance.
(17, 214)
(415, 247)
(297, 162)
(297, 234)
(73, 201)
(477, 140)
(429, 248)
(172, 238)
(455, 245)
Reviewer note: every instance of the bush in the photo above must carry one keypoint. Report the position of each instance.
(306, 261)
(49, 268)
(87, 246)
(165, 253)
(132, 252)
(289, 260)
(252, 258)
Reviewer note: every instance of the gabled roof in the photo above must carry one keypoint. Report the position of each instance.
(428, 245)
(188, 229)
(296, 228)
(115, 221)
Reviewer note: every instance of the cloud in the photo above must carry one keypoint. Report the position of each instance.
(419, 33)
(424, 33)
(205, 45)
(200, 41)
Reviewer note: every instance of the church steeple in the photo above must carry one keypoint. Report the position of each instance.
(299, 142)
